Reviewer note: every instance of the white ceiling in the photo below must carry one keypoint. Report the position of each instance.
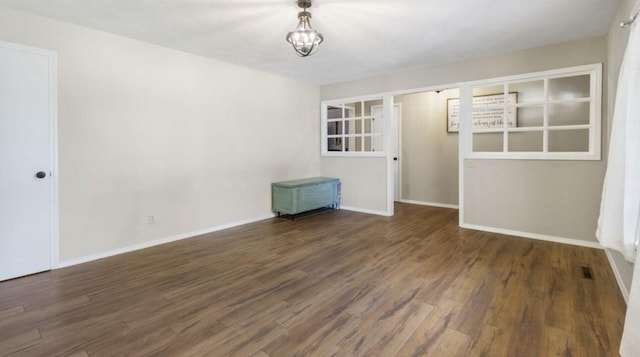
(363, 38)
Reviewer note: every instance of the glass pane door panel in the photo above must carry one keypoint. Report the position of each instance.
(570, 87)
(353, 127)
(525, 141)
(334, 144)
(377, 142)
(334, 128)
(353, 144)
(352, 110)
(569, 140)
(367, 144)
(371, 103)
(367, 126)
(488, 142)
(530, 116)
(358, 143)
(569, 113)
(334, 112)
(526, 92)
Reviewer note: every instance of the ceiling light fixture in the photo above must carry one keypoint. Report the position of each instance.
(304, 39)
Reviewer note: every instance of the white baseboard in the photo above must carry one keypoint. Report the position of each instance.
(433, 204)
(131, 248)
(616, 273)
(537, 236)
(364, 210)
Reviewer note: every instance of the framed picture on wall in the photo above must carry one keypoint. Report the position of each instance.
(484, 118)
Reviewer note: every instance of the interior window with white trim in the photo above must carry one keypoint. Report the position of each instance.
(550, 115)
(352, 127)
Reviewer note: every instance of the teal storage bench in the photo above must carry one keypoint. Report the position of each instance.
(298, 196)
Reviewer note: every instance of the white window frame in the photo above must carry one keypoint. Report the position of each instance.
(324, 105)
(595, 115)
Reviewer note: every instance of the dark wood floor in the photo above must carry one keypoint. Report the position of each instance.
(336, 283)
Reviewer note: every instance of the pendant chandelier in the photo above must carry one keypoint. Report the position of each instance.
(304, 39)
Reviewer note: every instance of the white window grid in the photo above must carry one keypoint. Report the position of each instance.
(594, 100)
(347, 117)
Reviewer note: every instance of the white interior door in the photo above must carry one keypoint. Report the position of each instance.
(26, 160)
(377, 112)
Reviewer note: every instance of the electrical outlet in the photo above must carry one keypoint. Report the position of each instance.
(152, 219)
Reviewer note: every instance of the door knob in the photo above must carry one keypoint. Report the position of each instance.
(41, 174)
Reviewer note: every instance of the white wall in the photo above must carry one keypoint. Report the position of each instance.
(513, 194)
(529, 60)
(148, 130)
(363, 179)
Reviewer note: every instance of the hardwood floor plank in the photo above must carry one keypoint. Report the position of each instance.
(425, 339)
(559, 301)
(558, 343)
(80, 353)
(24, 291)
(395, 332)
(473, 311)
(338, 283)
(189, 336)
(491, 341)
(330, 303)
(324, 340)
(260, 354)
(334, 351)
(41, 318)
(451, 343)
(9, 312)
(238, 342)
(145, 342)
(72, 340)
(527, 338)
(18, 342)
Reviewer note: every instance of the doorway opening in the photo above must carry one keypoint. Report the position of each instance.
(427, 145)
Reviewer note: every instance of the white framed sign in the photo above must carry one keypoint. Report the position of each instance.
(489, 118)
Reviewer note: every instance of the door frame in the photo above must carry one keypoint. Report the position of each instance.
(461, 145)
(54, 224)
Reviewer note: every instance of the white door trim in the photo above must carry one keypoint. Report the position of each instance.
(463, 134)
(387, 104)
(52, 59)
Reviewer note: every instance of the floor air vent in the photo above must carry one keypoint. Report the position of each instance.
(587, 273)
